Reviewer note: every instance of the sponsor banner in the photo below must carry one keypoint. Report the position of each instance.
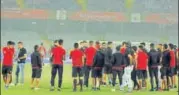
(24, 14)
(162, 18)
(157, 18)
(98, 16)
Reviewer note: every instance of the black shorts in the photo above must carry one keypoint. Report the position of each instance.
(96, 73)
(6, 70)
(172, 71)
(165, 71)
(77, 71)
(142, 74)
(175, 72)
(107, 69)
(36, 73)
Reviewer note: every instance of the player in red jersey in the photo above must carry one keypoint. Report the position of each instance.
(172, 65)
(7, 64)
(89, 53)
(58, 54)
(123, 48)
(142, 60)
(77, 57)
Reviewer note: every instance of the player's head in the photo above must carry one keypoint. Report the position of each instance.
(13, 44)
(124, 44)
(134, 48)
(97, 45)
(81, 44)
(165, 47)
(103, 46)
(36, 48)
(118, 48)
(41, 44)
(76, 45)
(110, 44)
(56, 43)
(175, 47)
(143, 44)
(128, 44)
(10, 44)
(171, 46)
(20, 44)
(60, 42)
(152, 46)
(141, 47)
(85, 43)
(159, 46)
(91, 43)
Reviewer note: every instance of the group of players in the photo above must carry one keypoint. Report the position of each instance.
(130, 64)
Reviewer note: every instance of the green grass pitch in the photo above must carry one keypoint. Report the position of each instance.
(67, 86)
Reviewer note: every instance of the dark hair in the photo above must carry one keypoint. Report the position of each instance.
(36, 47)
(124, 43)
(91, 42)
(13, 43)
(134, 48)
(10, 43)
(165, 46)
(41, 44)
(97, 42)
(109, 42)
(160, 44)
(128, 44)
(20, 42)
(60, 42)
(141, 47)
(55, 41)
(118, 47)
(175, 46)
(81, 42)
(84, 41)
(76, 45)
(143, 43)
(103, 43)
(152, 45)
(171, 46)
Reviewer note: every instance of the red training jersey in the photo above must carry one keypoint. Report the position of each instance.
(8, 55)
(142, 58)
(58, 54)
(90, 53)
(172, 59)
(123, 50)
(77, 57)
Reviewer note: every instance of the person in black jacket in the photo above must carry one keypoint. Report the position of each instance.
(118, 61)
(153, 63)
(107, 70)
(97, 67)
(36, 63)
(165, 67)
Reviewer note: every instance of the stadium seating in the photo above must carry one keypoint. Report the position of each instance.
(30, 30)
